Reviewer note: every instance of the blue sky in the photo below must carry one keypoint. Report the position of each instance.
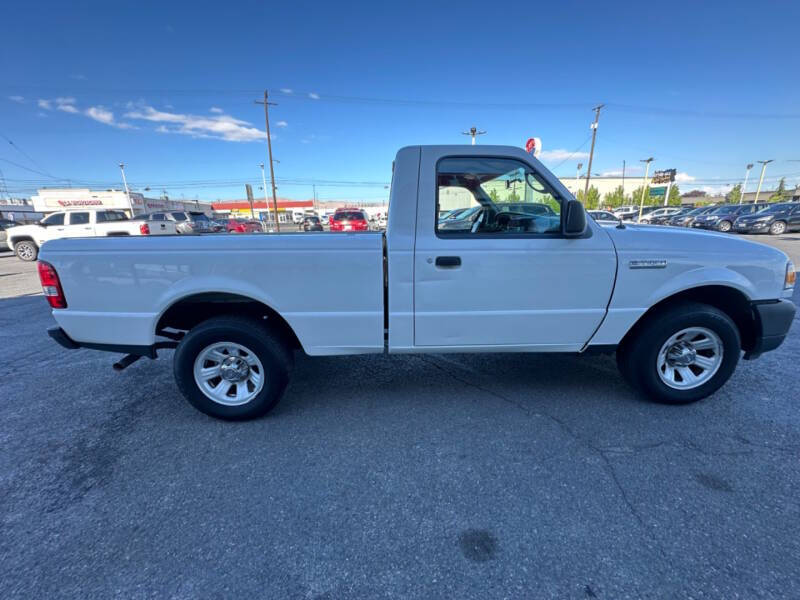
(168, 88)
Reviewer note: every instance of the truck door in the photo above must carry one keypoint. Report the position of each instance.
(505, 277)
(78, 224)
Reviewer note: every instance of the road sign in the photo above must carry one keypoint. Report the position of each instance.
(664, 176)
(658, 191)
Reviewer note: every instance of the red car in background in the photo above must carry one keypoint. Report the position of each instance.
(243, 226)
(349, 219)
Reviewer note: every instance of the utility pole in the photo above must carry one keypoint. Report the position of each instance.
(473, 131)
(127, 191)
(746, 175)
(647, 162)
(578, 178)
(591, 152)
(764, 164)
(266, 198)
(267, 104)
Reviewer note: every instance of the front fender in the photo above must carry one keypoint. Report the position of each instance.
(702, 276)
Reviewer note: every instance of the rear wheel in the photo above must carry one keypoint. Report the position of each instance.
(778, 228)
(232, 368)
(26, 250)
(681, 354)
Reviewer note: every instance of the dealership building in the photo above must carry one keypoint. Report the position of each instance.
(49, 200)
(262, 210)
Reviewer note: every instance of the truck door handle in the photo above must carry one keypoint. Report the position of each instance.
(448, 261)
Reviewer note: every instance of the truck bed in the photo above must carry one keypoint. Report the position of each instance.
(328, 287)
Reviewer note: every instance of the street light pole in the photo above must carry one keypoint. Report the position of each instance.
(578, 178)
(473, 131)
(647, 162)
(744, 186)
(764, 164)
(127, 191)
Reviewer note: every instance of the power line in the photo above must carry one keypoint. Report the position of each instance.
(25, 154)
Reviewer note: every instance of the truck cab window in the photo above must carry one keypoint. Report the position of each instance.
(54, 219)
(79, 218)
(479, 195)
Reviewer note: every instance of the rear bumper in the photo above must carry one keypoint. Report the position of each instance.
(773, 321)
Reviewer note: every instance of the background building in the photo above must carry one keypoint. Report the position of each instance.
(49, 200)
(20, 210)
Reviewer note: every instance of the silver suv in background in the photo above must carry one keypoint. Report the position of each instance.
(186, 221)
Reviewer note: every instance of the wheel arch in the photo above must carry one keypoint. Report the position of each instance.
(730, 300)
(22, 238)
(188, 311)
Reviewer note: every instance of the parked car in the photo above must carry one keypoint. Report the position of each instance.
(5, 224)
(659, 215)
(382, 221)
(774, 218)
(722, 217)
(190, 221)
(461, 220)
(631, 212)
(26, 240)
(158, 223)
(603, 216)
(678, 307)
(349, 220)
(311, 223)
(243, 226)
(686, 219)
(217, 226)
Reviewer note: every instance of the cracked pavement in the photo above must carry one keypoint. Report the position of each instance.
(458, 476)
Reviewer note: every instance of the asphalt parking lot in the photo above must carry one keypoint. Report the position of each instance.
(458, 476)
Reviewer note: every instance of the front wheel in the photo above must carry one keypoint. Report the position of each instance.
(232, 368)
(725, 226)
(777, 228)
(681, 354)
(26, 250)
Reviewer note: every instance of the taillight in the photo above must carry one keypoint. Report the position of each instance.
(144, 229)
(51, 286)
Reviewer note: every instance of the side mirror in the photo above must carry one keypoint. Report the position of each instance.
(574, 219)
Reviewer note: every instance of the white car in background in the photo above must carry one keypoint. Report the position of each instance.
(25, 240)
(661, 212)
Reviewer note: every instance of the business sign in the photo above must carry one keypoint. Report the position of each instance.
(534, 146)
(658, 191)
(52, 200)
(665, 176)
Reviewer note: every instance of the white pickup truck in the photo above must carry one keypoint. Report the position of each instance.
(528, 272)
(25, 240)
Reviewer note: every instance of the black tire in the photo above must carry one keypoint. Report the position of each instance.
(724, 226)
(778, 228)
(637, 356)
(272, 351)
(26, 250)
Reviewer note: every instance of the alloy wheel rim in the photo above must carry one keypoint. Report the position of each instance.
(25, 251)
(778, 227)
(689, 358)
(228, 373)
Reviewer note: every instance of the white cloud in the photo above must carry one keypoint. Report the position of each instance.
(105, 116)
(66, 105)
(684, 177)
(45, 104)
(221, 127)
(215, 109)
(562, 154)
(287, 90)
(19, 99)
(281, 124)
(313, 96)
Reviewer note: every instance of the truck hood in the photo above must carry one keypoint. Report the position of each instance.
(23, 230)
(701, 257)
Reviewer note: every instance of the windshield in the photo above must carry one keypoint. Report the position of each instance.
(775, 208)
(198, 217)
(724, 210)
(179, 216)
